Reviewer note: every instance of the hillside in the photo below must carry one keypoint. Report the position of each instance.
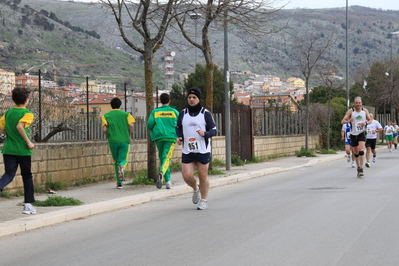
(27, 45)
(273, 54)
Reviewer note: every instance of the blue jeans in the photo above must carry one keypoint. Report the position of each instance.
(11, 163)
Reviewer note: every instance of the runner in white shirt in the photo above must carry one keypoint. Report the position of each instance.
(195, 128)
(358, 117)
(389, 130)
(371, 139)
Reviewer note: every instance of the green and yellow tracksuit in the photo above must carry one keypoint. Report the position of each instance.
(162, 124)
(117, 123)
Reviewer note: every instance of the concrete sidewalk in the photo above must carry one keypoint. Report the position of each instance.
(103, 197)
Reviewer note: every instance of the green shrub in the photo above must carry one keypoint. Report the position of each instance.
(217, 163)
(306, 153)
(236, 160)
(141, 178)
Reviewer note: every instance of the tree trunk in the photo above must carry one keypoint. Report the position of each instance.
(149, 91)
(307, 115)
(209, 86)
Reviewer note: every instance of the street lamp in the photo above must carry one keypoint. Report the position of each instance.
(392, 34)
(195, 16)
(347, 59)
(391, 69)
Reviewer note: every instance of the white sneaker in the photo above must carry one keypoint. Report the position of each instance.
(353, 164)
(368, 165)
(374, 159)
(196, 196)
(348, 158)
(203, 205)
(168, 184)
(29, 209)
(390, 150)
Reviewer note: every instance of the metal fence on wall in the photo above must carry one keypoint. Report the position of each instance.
(78, 129)
(268, 123)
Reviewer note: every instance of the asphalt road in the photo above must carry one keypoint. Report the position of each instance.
(315, 215)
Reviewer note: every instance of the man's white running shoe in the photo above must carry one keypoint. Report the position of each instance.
(348, 158)
(353, 164)
(390, 150)
(29, 209)
(196, 196)
(374, 159)
(368, 165)
(168, 184)
(203, 205)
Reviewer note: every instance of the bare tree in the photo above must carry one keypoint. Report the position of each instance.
(249, 15)
(310, 47)
(150, 20)
(327, 74)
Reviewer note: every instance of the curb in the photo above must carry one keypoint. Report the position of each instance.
(77, 212)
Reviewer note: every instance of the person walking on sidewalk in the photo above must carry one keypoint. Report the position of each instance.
(162, 126)
(345, 135)
(118, 127)
(371, 139)
(17, 148)
(389, 129)
(195, 128)
(359, 118)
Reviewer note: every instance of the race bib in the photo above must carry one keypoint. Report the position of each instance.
(193, 144)
(370, 132)
(359, 128)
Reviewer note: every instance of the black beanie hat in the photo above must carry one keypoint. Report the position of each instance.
(194, 91)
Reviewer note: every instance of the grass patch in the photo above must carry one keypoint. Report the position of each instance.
(255, 159)
(307, 153)
(328, 152)
(141, 178)
(174, 166)
(57, 201)
(270, 157)
(56, 185)
(214, 171)
(218, 163)
(8, 195)
(87, 180)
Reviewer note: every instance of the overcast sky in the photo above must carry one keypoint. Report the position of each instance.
(383, 4)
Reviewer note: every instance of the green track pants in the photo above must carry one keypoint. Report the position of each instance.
(120, 153)
(165, 150)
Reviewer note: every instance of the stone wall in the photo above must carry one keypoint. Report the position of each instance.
(76, 161)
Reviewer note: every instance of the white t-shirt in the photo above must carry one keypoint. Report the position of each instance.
(373, 127)
(389, 130)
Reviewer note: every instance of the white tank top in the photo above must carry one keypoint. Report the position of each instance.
(193, 142)
(359, 118)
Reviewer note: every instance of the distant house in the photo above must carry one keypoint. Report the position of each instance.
(7, 81)
(286, 100)
(296, 82)
(27, 81)
(97, 86)
(98, 104)
(243, 97)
